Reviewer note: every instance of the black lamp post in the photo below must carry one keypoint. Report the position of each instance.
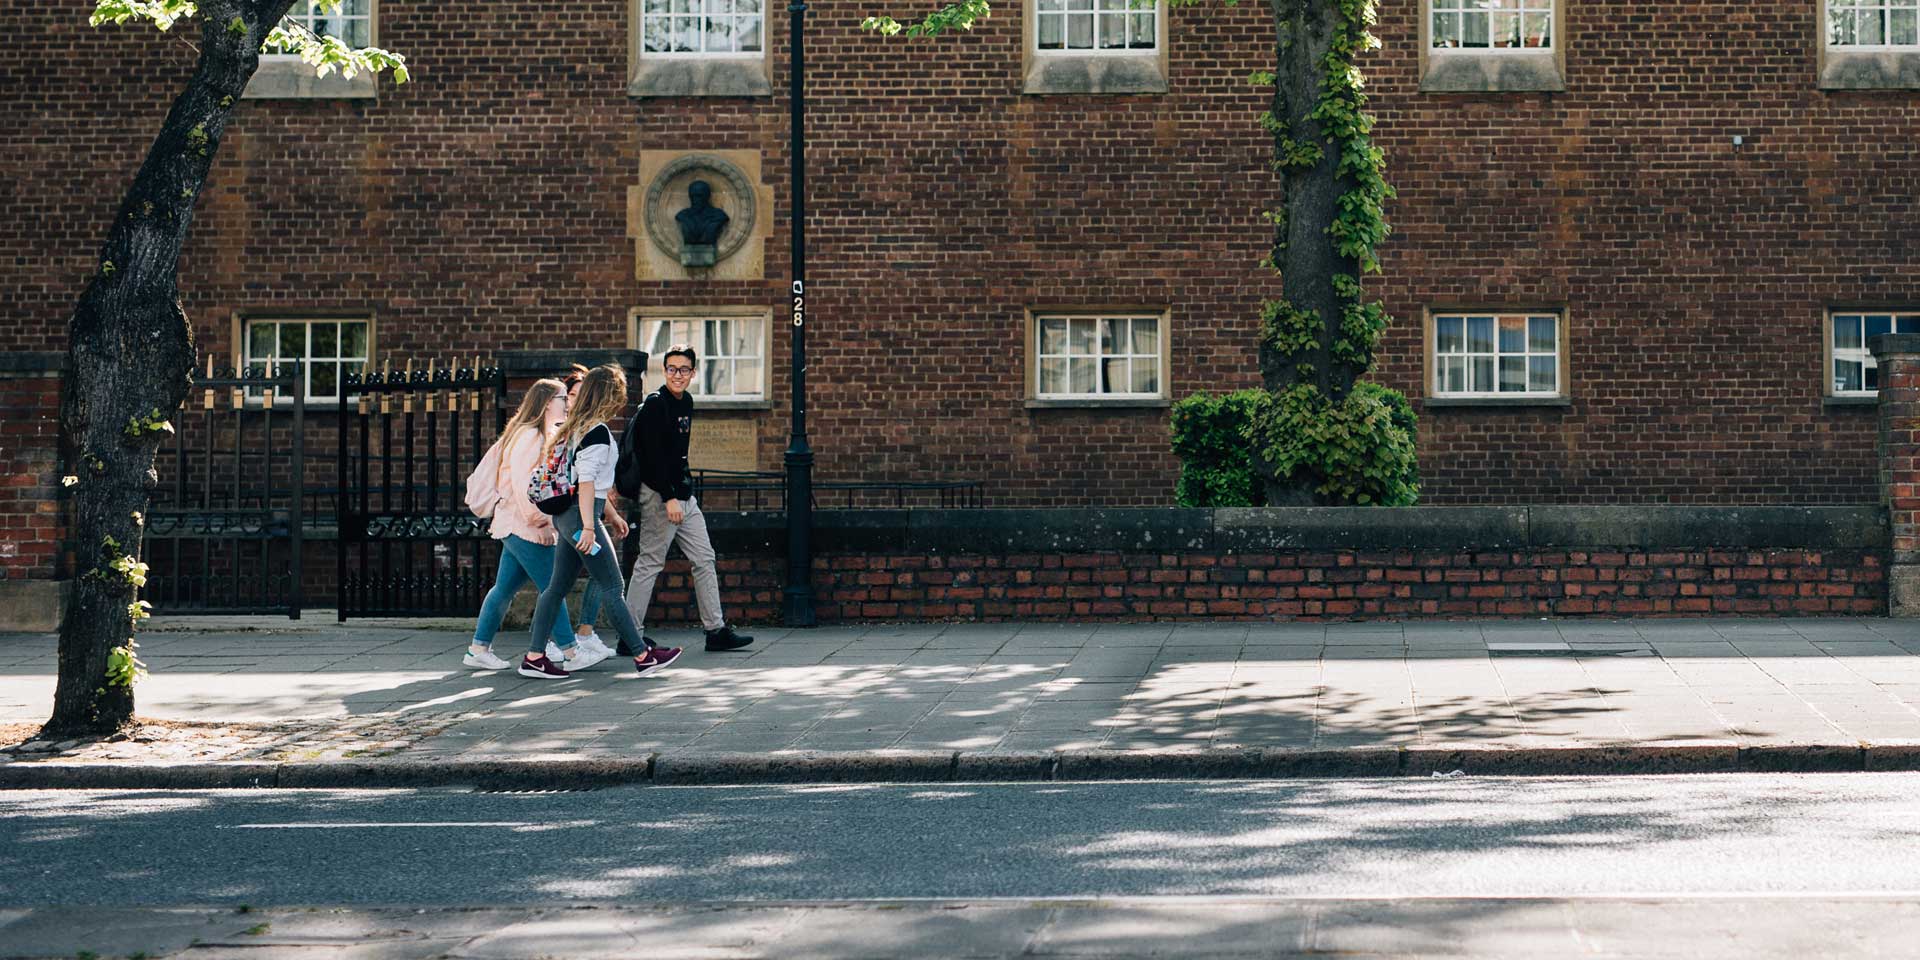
(799, 594)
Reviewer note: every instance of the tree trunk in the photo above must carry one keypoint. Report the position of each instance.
(1302, 250)
(130, 356)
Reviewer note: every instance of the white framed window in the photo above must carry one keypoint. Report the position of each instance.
(1873, 24)
(1099, 356)
(352, 22)
(1484, 25)
(1096, 26)
(1853, 370)
(702, 27)
(733, 353)
(1496, 355)
(328, 350)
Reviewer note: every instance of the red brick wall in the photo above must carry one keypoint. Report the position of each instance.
(31, 528)
(483, 208)
(1404, 583)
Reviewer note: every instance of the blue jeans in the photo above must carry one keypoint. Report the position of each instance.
(602, 568)
(521, 562)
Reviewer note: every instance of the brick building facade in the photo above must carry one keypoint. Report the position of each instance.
(1689, 193)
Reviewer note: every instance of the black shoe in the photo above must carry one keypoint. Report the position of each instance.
(726, 639)
(625, 650)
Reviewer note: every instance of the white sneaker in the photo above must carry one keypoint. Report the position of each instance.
(584, 656)
(483, 658)
(593, 642)
(553, 652)
(592, 637)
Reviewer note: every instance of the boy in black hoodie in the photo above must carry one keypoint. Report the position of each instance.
(657, 439)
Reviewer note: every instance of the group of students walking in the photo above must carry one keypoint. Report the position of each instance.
(548, 485)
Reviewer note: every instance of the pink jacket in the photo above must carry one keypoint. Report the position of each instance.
(515, 515)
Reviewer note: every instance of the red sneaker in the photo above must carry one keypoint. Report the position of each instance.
(542, 668)
(656, 658)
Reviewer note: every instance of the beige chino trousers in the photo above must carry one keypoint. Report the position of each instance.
(657, 534)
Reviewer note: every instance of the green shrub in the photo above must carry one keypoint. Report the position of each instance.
(1360, 451)
(1213, 437)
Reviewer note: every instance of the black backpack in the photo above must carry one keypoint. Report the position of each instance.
(630, 471)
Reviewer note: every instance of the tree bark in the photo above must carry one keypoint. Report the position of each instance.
(1303, 252)
(130, 353)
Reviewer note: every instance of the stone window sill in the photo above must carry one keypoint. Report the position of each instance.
(690, 77)
(1092, 403)
(1432, 402)
(1849, 401)
(294, 80)
(1874, 70)
(1104, 74)
(1459, 72)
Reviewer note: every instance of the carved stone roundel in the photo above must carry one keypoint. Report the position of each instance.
(667, 195)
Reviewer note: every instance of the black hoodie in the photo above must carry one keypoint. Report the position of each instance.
(657, 437)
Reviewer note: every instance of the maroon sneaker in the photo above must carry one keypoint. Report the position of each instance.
(656, 658)
(541, 667)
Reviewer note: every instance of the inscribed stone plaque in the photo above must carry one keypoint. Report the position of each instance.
(724, 443)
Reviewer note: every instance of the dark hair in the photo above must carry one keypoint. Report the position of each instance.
(574, 376)
(681, 350)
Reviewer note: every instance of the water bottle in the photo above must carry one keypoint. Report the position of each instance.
(596, 544)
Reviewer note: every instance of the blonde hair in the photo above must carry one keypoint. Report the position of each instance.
(603, 394)
(532, 412)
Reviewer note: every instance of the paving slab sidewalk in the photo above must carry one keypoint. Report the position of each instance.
(1521, 929)
(1018, 700)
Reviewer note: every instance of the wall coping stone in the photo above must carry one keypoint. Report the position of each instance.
(1886, 344)
(1273, 529)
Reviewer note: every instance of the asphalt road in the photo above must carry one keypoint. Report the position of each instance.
(1811, 835)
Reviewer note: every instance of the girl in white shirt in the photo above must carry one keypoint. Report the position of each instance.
(586, 521)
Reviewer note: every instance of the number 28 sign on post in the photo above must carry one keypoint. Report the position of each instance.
(799, 303)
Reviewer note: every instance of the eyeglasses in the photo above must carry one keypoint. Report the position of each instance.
(679, 371)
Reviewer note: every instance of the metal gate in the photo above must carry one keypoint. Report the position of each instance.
(224, 526)
(407, 440)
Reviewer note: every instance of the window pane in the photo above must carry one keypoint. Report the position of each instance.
(1482, 375)
(1446, 29)
(1081, 372)
(1453, 375)
(1146, 375)
(326, 339)
(1506, 30)
(293, 341)
(714, 338)
(1117, 380)
(1903, 27)
(1909, 323)
(746, 6)
(1079, 4)
(1539, 27)
(1473, 29)
(1541, 374)
(1868, 27)
(718, 376)
(1513, 374)
(655, 34)
(1839, 26)
(1142, 34)
(1875, 326)
(1146, 336)
(1053, 32)
(719, 34)
(1113, 31)
(1869, 376)
(1513, 335)
(1541, 334)
(260, 341)
(746, 377)
(1080, 31)
(1846, 375)
(324, 380)
(746, 338)
(1449, 334)
(750, 35)
(659, 6)
(353, 340)
(686, 34)
(1053, 337)
(1080, 337)
(1113, 337)
(1479, 334)
(660, 342)
(1053, 376)
(1846, 333)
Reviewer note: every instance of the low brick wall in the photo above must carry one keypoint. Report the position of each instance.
(1308, 563)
